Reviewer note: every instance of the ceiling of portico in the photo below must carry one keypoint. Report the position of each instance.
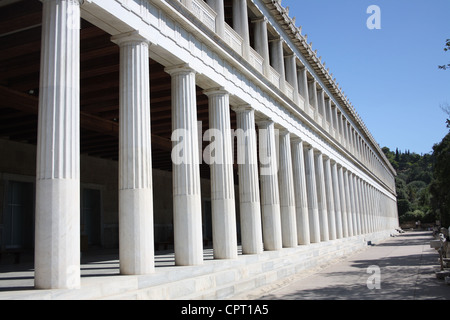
(20, 47)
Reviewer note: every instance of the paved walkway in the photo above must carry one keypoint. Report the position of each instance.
(406, 271)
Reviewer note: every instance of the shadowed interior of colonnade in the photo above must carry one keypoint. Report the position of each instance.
(20, 48)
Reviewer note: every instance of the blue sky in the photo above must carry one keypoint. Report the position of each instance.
(390, 75)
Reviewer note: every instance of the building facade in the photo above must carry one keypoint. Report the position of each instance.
(139, 123)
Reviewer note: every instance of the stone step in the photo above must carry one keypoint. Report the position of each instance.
(215, 279)
(247, 272)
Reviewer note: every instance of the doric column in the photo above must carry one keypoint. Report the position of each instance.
(346, 136)
(270, 194)
(358, 202)
(349, 204)
(361, 216)
(300, 187)
(330, 113)
(341, 129)
(219, 8)
(330, 198)
(303, 86)
(377, 209)
(344, 203)
(262, 42)
(368, 207)
(365, 211)
(187, 214)
(278, 60)
(321, 108)
(57, 234)
(135, 158)
(222, 180)
(250, 206)
(313, 209)
(352, 195)
(371, 209)
(321, 197)
(287, 194)
(335, 121)
(291, 74)
(313, 99)
(337, 200)
(240, 23)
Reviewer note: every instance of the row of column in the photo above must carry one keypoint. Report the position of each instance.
(307, 198)
(315, 101)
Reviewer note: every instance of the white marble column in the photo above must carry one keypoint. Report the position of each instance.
(337, 199)
(361, 206)
(287, 194)
(301, 200)
(344, 203)
(57, 233)
(240, 23)
(270, 194)
(313, 209)
(249, 197)
(358, 204)
(321, 106)
(365, 210)
(291, 74)
(352, 195)
(330, 198)
(335, 120)
(222, 180)
(262, 42)
(349, 204)
(321, 196)
(313, 99)
(330, 116)
(187, 215)
(302, 77)
(371, 208)
(218, 7)
(342, 129)
(136, 241)
(278, 60)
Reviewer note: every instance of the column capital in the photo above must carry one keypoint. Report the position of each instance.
(284, 132)
(215, 91)
(180, 68)
(242, 108)
(276, 39)
(133, 36)
(318, 152)
(261, 19)
(295, 138)
(264, 122)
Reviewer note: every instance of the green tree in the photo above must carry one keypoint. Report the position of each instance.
(414, 175)
(446, 48)
(440, 187)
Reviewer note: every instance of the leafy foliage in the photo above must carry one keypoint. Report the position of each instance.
(423, 181)
(440, 187)
(446, 48)
(414, 176)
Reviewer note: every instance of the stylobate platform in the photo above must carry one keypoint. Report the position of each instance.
(215, 279)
